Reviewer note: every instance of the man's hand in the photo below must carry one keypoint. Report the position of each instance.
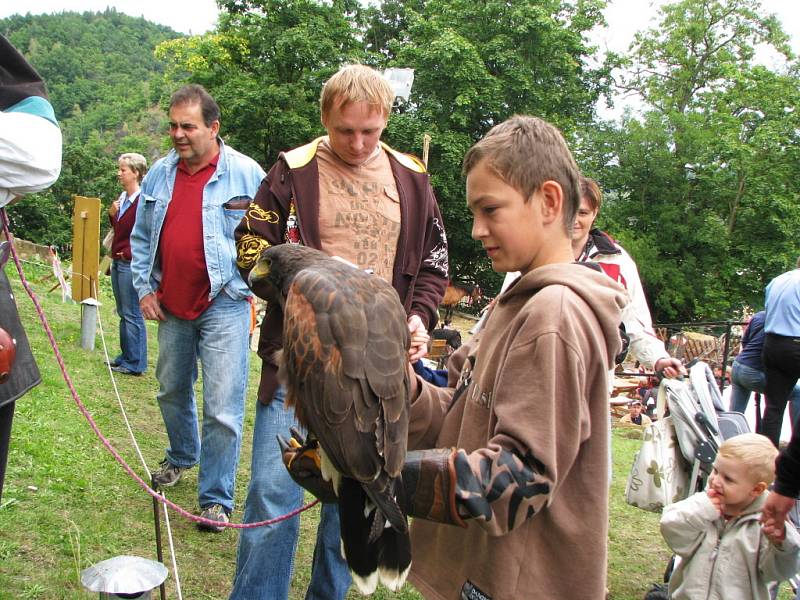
(151, 308)
(773, 516)
(671, 367)
(301, 458)
(419, 338)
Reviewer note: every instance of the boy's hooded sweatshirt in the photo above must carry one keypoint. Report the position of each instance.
(725, 559)
(529, 416)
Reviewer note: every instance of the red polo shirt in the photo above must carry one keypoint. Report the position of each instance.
(185, 285)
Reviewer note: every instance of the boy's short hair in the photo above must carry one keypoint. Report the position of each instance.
(356, 83)
(755, 451)
(525, 152)
(197, 94)
(135, 162)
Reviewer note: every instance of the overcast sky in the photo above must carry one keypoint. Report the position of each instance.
(624, 17)
(198, 16)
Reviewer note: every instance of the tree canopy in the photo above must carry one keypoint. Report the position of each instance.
(700, 185)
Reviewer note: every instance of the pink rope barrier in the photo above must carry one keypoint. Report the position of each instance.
(87, 415)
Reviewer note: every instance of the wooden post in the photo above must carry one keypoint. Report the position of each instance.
(85, 247)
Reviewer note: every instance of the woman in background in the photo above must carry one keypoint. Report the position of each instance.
(122, 214)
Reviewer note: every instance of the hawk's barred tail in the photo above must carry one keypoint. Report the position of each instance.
(387, 559)
(383, 493)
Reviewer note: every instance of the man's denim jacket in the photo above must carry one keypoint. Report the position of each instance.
(226, 197)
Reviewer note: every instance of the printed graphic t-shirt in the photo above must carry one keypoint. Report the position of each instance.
(359, 210)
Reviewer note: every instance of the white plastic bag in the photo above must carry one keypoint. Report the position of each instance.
(659, 475)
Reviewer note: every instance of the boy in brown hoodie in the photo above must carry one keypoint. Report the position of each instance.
(508, 472)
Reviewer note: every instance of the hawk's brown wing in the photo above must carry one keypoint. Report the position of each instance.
(345, 347)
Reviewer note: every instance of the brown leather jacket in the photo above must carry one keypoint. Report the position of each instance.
(286, 210)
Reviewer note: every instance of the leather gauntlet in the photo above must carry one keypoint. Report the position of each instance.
(429, 486)
(427, 491)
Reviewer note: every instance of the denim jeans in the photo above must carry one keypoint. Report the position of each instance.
(132, 332)
(265, 558)
(746, 380)
(219, 338)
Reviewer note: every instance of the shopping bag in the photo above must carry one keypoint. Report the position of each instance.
(659, 475)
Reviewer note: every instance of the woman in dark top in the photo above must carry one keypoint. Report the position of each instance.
(122, 213)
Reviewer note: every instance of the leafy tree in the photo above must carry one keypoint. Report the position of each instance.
(701, 189)
(477, 64)
(265, 65)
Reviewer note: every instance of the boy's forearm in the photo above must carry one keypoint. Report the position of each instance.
(428, 408)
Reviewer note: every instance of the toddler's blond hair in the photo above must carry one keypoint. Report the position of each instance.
(755, 451)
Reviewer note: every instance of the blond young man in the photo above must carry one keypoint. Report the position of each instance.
(351, 196)
(724, 552)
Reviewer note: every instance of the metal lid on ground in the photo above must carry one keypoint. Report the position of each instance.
(124, 574)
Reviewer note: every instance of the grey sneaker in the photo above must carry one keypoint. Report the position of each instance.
(168, 475)
(214, 512)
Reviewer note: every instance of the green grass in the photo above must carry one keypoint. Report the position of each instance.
(67, 504)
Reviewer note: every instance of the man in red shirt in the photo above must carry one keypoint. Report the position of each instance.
(184, 271)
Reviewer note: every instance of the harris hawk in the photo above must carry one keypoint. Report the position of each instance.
(344, 363)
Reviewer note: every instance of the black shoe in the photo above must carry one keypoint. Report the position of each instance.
(124, 371)
(111, 363)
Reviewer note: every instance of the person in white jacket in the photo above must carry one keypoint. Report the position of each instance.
(724, 553)
(592, 245)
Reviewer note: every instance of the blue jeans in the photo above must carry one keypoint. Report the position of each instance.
(132, 332)
(746, 380)
(219, 338)
(265, 558)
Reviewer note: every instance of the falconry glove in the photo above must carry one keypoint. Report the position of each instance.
(429, 478)
(301, 459)
(429, 486)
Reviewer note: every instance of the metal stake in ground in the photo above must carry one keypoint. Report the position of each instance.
(157, 521)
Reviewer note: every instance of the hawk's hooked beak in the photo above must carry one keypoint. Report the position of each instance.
(260, 271)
